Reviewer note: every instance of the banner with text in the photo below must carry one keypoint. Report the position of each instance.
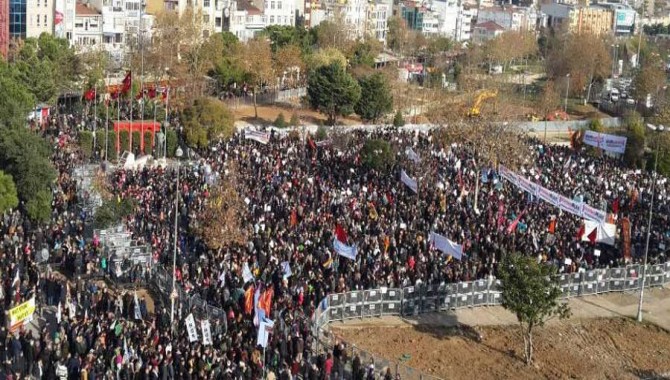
(610, 143)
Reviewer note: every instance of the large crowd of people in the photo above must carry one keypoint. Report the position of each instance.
(296, 194)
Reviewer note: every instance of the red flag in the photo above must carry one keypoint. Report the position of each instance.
(341, 234)
(615, 206)
(311, 143)
(165, 93)
(593, 235)
(89, 95)
(152, 92)
(127, 82)
(114, 94)
(581, 232)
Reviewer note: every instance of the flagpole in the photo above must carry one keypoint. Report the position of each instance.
(263, 359)
(107, 126)
(118, 133)
(130, 127)
(95, 114)
(167, 118)
(154, 124)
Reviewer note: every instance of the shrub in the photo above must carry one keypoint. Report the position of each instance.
(86, 143)
(280, 121)
(295, 120)
(171, 142)
(398, 120)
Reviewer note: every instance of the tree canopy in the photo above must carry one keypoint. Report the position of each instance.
(8, 196)
(531, 293)
(376, 97)
(332, 91)
(206, 120)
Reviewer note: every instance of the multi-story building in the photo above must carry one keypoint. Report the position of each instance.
(578, 19)
(4, 28)
(486, 31)
(39, 17)
(378, 15)
(87, 33)
(509, 17)
(279, 12)
(362, 18)
(17, 19)
(465, 23)
(246, 20)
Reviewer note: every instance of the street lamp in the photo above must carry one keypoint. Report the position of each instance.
(658, 129)
(178, 155)
(567, 91)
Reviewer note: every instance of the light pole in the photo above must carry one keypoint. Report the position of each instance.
(178, 155)
(567, 91)
(658, 129)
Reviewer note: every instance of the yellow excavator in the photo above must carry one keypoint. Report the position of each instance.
(483, 95)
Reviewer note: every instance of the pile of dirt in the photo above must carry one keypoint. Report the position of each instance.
(613, 348)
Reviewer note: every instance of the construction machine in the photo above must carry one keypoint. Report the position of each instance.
(475, 110)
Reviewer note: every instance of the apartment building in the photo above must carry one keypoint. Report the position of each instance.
(509, 17)
(579, 19)
(87, 33)
(39, 17)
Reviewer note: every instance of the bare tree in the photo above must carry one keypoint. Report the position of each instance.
(256, 59)
(547, 102)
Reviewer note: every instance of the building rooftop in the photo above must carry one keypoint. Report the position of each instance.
(244, 5)
(490, 26)
(85, 10)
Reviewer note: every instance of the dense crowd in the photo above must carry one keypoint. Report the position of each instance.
(296, 194)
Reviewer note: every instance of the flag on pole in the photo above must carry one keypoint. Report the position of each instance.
(127, 82)
(513, 225)
(264, 331)
(341, 234)
(249, 300)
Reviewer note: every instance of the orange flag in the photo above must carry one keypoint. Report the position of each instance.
(552, 226)
(265, 302)
(294, 218)
(249, 300)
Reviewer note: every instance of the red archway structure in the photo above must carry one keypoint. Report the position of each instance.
(136, 126)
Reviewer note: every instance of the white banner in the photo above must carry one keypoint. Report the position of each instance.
(610, 143)
(592, 213)
(261, 137)
(548, 196)
(264, 331)
(605, 234)
(286, 269)
(191, 329)
(412, 155)
(247, 276)
(411, 183)
(206, 333)
(527, 185)
(348, 251)
(446, 246)
(568, 205)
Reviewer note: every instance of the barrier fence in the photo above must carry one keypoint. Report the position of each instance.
(414, 300)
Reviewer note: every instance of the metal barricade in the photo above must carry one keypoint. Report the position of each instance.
(392, 301)
(410, 301)
(588, 288)
(353, 305)
(430, 301)
(655, 276)
(372, 303)
(632, 284)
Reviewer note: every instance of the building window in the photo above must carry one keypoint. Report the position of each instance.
(279, 4)
(205, 3)
(272, 5)
(272, 19)
(45, 20)
(217, 22)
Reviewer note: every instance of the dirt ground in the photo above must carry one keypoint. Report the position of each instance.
(602, 348)
(268, 114)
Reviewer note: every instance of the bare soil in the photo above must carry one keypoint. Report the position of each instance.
(601, 348)
(268, 114)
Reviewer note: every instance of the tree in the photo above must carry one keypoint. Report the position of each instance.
(207, 119)
(547, 102)
(280, 121)
(376, 97)
(334, 33)
(531, 293)
(288, 63)
(511, 46)
(39, 206)
(256, 60)
(8, 197)
(222, 221)
(398, 120)
(377, 154)
(399, 35)
(585, 57)
(649, 79)
(283, 35)
(16, 101)
(325, 57)
(227, 68)
(635, 132)
(112, 211)
(365, 52)
(332, 91)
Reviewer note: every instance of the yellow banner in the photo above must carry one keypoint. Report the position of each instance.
(22, 312)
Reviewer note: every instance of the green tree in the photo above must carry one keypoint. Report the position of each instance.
(227, 68)
(256, 60)
(39, 206)
(635, 144)
(280, 121)
(531, 293)
(113, 211)
(376, 97)
(377, 154)
(365, 52)
(332, 91)
(8, 196)
(398, 120)
(207, 119)
(649, 79)
(15, 101)
(325, 57)
(284, 35)
(86, 143)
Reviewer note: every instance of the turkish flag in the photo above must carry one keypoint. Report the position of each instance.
(581, 232)
(152, 93)
(89, 95)
(341, 234)
(127, 82)
(593, 236)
